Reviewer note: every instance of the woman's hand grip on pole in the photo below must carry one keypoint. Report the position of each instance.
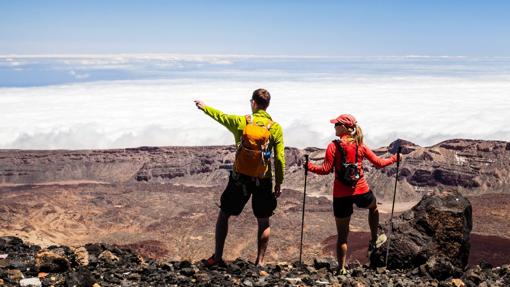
(306, 163)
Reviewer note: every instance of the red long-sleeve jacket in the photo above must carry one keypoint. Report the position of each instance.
(340, 189)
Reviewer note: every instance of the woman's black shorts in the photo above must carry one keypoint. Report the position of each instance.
(342, 206)
(238, 192)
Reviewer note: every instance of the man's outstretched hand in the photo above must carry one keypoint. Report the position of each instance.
(200, 105)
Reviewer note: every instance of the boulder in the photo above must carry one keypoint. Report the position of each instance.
(80, 277)
(51, 262)
(441, 268)
(82, 256)
(108, 257)
(319, 263)
(435, 232)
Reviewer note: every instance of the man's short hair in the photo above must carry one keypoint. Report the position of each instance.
(262, 98)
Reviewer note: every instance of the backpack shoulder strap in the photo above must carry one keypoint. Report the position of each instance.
(340, 153)
(356, 158)
(356, 161)
(340, 149)
(269, 124)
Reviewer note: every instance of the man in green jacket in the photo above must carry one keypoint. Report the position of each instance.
(240, 187)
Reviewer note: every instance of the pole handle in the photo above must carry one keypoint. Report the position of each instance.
(399, 150)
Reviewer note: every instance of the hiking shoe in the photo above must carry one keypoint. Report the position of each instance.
(210, 262)
(372, 246)
(342, 271)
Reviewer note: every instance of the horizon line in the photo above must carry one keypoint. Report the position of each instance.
(227, 145)
(156, 55)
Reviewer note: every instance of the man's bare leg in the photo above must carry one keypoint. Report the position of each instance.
(221, 234)
(264, 230)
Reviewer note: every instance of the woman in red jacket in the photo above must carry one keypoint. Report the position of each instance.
(344, 156)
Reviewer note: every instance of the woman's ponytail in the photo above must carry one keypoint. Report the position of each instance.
(358, 135)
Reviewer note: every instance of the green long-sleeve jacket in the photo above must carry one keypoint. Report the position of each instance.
(235, 124)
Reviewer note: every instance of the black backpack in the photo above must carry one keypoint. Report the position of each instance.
(348, 173)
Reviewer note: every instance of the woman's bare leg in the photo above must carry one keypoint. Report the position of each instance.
(373, 220)
(342, 228)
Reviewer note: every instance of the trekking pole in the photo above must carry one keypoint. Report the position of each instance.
(399, 149)
(303, 213)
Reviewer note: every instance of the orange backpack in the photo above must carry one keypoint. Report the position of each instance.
(252, 156)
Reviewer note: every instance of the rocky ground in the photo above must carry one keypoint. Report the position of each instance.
(107, 265)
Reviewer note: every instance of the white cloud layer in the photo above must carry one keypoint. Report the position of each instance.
(424, 109)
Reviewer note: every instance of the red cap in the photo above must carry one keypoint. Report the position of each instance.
(345, 119)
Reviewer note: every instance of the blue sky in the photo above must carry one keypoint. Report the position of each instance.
(331, 28)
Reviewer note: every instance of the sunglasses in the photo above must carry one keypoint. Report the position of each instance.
(338, 124)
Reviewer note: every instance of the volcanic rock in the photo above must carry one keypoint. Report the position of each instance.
(458, 282)
(48, 261)
(441, 268)
(435, 232)
(14, 274)
(475, 164)
(108, 257)
(80, 277)
(129, 271)
(319, 263)
(474, 275)
(30, 282)
(82, 256)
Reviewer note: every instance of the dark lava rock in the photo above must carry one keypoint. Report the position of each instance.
(185, 264)
(438, 226)
(321, 263)
(10, 242)
(485, 265)
(474, 275)
(422, 178)
(455, 178)
(129, 270)
(441, 268)
(80, 277)
(234, 269)
(187, 271)
(48, 261)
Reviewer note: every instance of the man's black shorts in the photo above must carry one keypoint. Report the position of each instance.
(342, 206)
(238, 192)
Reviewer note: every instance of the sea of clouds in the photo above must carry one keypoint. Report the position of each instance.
(117, 101)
